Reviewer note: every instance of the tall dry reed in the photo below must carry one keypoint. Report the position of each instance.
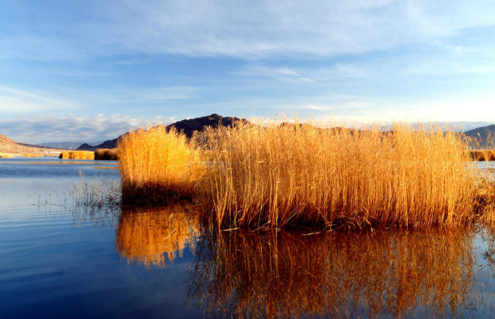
(79, 155)
(6, 155)
(106, 154)
(31, 155)
(157, 164)
(271, 175)
(482, 155)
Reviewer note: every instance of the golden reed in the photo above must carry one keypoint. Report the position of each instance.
(157, 164)
(267, 175)
(106, 154)
(335, 275)
(31, 155)
(79, 155)
(271, 175)
(482, 155)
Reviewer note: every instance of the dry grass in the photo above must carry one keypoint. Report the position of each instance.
(31, 155)
(94, 192)
(107, 154)
(152, 236)
(271, 175)
(485, 200)
(482, 155)
(341, 275)
(78, 155)
(6, 155)
(156, 165)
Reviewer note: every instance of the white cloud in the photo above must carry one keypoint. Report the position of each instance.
(15, 101)
(135, 94)
(238, 28)
(283, 74)
(56, 128)
(288, 72)
(245, 29)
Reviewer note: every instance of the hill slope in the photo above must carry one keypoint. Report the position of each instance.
(8, 145)
(188, 126)
(483, 135)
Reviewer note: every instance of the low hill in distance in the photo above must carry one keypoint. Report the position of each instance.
(65, 145)
(10, 146)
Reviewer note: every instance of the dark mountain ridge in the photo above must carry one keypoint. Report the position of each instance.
(188, 127)
(484, 136)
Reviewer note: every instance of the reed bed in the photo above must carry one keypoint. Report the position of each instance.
(106, 154)
(157, 165)
(154, 236)
(271, 175)
(6, 155)
(482, 155)
(31, 155)
(78, 155)
(341, 275)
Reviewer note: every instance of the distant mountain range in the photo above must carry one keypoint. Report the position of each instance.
(189, 126)
(199, 124)
(66, 145)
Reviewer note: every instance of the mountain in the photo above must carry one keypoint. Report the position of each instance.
(64, 145)
(484, 135)
(188, 127)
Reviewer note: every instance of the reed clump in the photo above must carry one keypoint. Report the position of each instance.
(271, 175)
(31, 155)
(6, 155)
(157, 165)
(78, 155)
(482, 155)
(106, 154)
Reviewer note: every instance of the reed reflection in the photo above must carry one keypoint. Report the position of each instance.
(153, 236)
(334, 275)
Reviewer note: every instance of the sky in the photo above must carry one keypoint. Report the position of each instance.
(90, 70)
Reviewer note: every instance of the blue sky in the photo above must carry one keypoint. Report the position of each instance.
(90, 70)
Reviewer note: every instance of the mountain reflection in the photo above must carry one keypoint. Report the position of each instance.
(334, 275)
(147, 235)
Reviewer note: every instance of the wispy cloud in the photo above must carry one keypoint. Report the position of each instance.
(289, 27)
(280, 73)
(132, 94)
(245, 29)
(321, 74)
(14, 101)
(56, 128)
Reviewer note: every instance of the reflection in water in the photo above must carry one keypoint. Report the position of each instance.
(146, 235)
(335, 275)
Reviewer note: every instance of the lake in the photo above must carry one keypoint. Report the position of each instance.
(61, 259)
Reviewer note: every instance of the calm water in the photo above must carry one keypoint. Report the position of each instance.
(60, 260)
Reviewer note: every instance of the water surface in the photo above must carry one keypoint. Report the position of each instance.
(60, 260)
